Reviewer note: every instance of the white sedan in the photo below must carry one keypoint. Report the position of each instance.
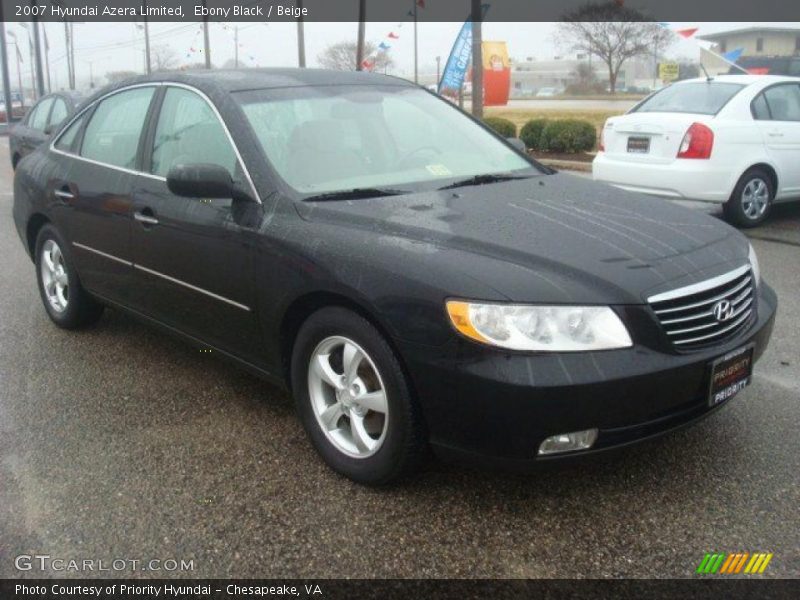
(732, 139)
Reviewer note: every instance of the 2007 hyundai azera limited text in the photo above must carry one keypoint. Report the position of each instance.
(410, 276)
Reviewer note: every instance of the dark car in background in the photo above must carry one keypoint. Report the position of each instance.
(40, 122)
(410, 277)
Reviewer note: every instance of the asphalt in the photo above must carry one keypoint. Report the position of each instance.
(123, 443)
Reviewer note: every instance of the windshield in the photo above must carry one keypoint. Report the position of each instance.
(334, 138)
(702, 97)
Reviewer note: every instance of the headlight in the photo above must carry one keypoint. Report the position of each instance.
(754, 265)
(540, 328)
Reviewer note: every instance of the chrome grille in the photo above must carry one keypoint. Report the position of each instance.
(687, 314)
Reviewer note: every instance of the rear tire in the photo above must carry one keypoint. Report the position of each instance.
(751, 200)
(67, 304)
(354, 400)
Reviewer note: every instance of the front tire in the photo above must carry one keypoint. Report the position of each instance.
(354, 400)
(67, 304)
(751, 200)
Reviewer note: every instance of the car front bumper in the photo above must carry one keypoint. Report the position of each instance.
(689, 179)
(490, 405)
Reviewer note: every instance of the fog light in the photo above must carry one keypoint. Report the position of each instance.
(569, 442)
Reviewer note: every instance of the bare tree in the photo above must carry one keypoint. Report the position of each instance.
(613, 33)
(341, 56)
(163, 58)
(117, 76)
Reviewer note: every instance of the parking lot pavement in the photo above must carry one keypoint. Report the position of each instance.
(121, 442)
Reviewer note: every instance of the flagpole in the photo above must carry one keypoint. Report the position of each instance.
(362, 15)
(301, 37)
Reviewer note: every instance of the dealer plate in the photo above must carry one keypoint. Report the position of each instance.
(639, 145)
(730, 374)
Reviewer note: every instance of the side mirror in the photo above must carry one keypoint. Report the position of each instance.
(200, 181)
(518, 144)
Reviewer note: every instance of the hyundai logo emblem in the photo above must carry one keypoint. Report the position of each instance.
(723, 311)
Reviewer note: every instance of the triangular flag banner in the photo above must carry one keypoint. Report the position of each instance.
(384, 46)
(733, 55)
(421, 3)
(410, 13)
(687, 33)
(393, 36)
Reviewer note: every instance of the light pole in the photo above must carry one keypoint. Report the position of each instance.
(6, 78)
(477, 60)
(438, 64)
(301, 37)
(206, 41)
(416, 71)
(19, 68)
(362, 15)
(38, 58)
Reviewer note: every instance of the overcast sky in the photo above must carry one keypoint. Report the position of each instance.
(112, 47)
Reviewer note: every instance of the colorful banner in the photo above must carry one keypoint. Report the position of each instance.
(456, 67)
(496, 73)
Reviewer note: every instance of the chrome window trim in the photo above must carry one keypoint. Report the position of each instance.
(700, 286)
(162, 275)
(143, 173)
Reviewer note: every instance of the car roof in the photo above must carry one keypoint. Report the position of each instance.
(744, 79)
(214, 81)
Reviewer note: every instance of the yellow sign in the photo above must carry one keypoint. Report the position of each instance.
(668, 71)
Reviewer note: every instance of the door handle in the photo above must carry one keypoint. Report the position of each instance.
(144, 218)
(64, 194)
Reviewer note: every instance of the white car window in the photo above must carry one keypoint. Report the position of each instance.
(784, 102)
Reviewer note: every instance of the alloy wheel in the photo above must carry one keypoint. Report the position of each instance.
(755, 198)
(348, 397)
(54, 276)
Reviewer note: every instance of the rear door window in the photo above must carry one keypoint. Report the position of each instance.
(760, 108)
(702, 97)
(59, 113)
(783, 102)
(112, 135)
(38, 118)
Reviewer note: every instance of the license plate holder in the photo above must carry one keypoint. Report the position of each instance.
(638, 145)
(730, 374)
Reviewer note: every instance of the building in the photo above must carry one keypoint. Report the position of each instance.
(756, 42)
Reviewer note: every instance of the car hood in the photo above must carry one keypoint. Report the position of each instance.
(554, 238)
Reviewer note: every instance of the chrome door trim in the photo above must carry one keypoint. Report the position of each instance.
(192, 287)
(162, 275)
(103, 254)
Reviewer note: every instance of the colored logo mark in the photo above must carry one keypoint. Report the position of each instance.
(730, 564)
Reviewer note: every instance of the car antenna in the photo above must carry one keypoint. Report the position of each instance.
(708, 77)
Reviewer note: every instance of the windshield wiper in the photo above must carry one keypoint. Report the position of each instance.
(483, 179)
(355, 194)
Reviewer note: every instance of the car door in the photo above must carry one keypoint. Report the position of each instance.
(193, 256)
(780, 129)
(98, 157)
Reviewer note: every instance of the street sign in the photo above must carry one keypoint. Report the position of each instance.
(668, 71)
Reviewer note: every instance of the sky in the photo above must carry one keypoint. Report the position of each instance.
(103, 47)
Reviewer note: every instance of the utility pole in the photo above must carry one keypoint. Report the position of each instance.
(46, 57)
(236, 46)
(438, 65)
(148, 69)
(6, 78)
(301, 37)
(40, 91)
(477, 60)
(362, 15)
(19, 67)
(206, 43)
(416, 71)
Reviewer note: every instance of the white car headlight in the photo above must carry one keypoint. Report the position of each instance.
(540, 328)
(754, 265)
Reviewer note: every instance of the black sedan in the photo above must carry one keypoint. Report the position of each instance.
(410, 276)
(41, 120)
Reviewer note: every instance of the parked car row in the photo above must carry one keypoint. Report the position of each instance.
(733, 139)
(412, 277)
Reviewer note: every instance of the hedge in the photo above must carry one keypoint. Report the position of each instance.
(531, 133)
(569, 136)
(502, 126)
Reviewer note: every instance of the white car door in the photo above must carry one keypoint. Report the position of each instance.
(777, 113)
